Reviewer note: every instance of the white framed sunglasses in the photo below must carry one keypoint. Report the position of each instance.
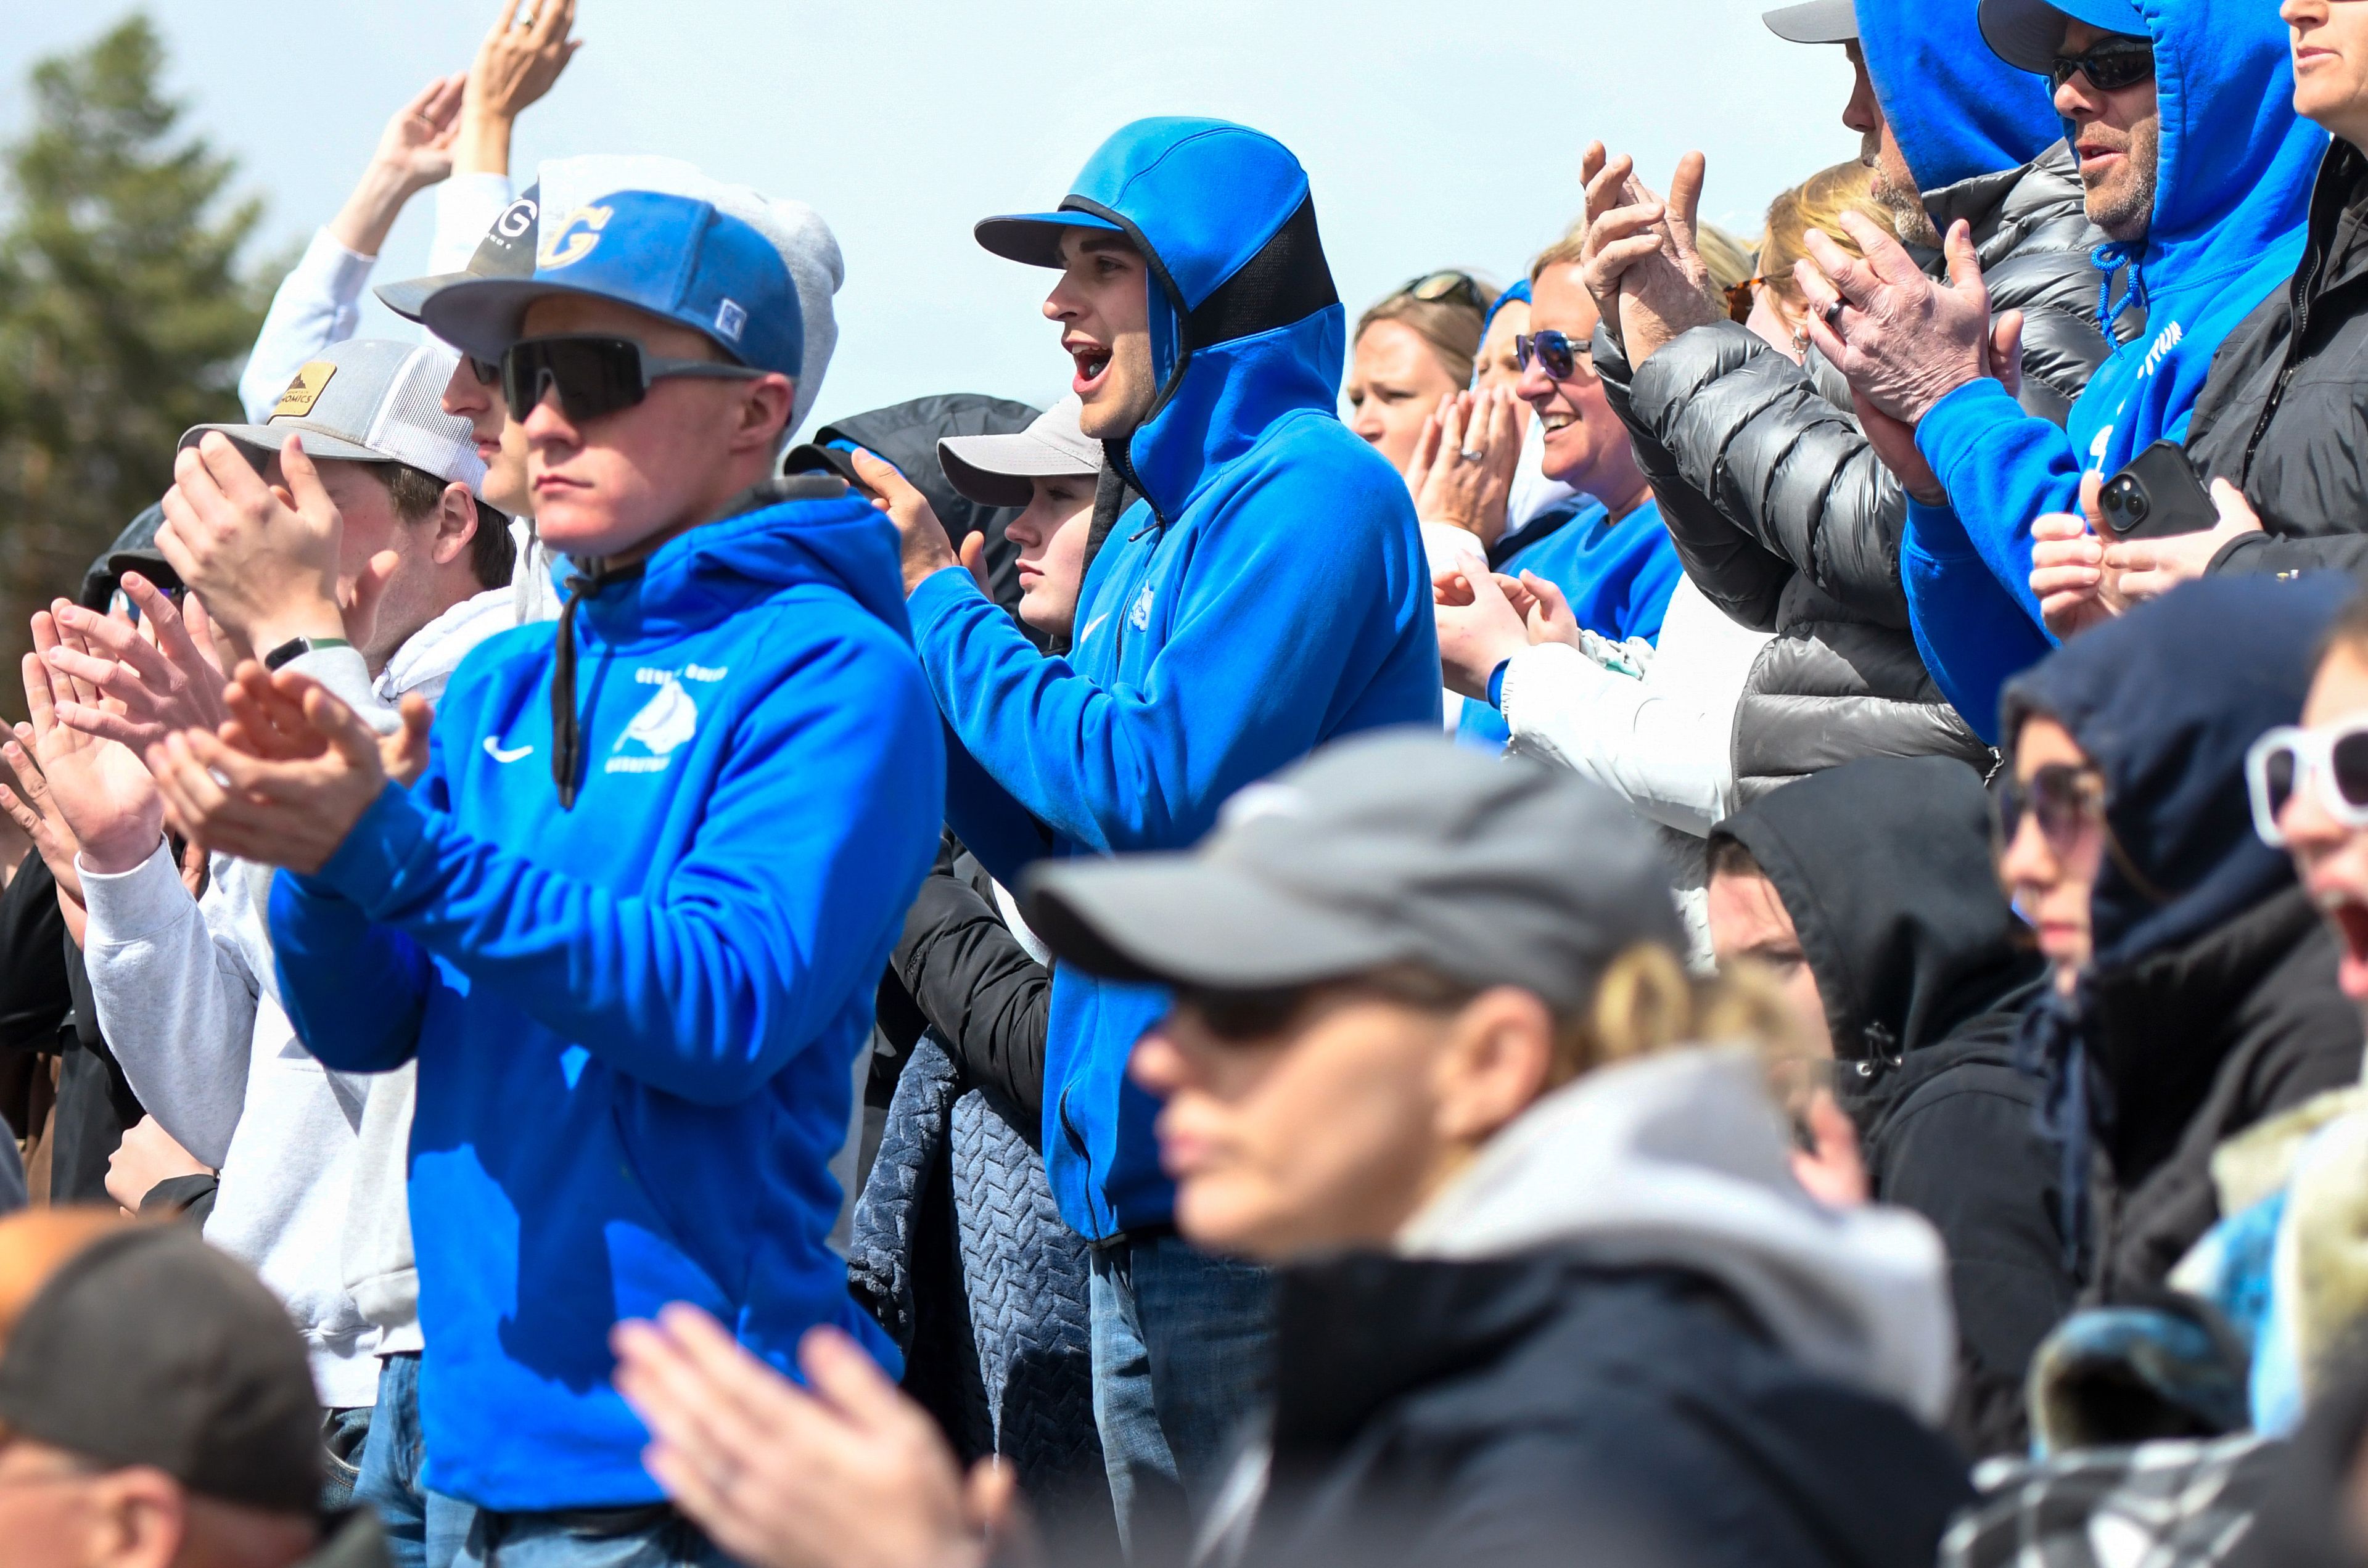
(2331, 760)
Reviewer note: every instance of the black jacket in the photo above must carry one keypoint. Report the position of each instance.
(2281, 414)
(1884, 866)
(1787, 520)
(1540, 1409)
(46, 1006)
(969, 978)
(2211, 1000)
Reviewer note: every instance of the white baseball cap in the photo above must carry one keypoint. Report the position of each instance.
(995, 471)
(368, 399)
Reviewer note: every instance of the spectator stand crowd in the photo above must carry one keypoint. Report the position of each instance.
(1711, 908)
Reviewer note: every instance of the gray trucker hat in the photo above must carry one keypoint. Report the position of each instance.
(1818, 21)
(1397, 848)
(368, 399)
(995, 471)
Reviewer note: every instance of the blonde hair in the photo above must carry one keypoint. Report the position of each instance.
(1728, 259)
(1815, 205)
(1449, 327)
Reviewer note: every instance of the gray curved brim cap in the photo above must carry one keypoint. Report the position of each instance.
(1819, 21)
(2029, 34)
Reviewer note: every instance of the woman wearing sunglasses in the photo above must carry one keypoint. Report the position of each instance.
(2196, 993)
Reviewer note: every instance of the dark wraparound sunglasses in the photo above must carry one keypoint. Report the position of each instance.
(1559, 352)
(2066, 801)
(595, 375)
(2110, 65)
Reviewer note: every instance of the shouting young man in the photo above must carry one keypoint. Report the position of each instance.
(630, 919)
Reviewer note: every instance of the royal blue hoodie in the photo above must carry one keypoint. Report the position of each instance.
(1957, 110)
(1268, 594)
(636, 1020)
(2232, 194)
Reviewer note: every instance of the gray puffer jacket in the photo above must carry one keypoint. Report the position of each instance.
(1788, 521)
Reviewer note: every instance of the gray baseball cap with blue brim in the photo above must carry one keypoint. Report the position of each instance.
(1400, 848)
(2029, 34)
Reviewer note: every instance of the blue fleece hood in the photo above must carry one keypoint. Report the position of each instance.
(1245, 323)
(1956, 109)
(2165, 702)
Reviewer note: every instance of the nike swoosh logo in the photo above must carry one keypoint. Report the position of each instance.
(494, 749)
(1096, 621)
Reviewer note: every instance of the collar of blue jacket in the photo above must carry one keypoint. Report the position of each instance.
(1245, 323)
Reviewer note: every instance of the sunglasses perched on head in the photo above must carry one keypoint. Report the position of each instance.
(1559, 352)
(2110, 65)
(1433, 287)
(2065, 800)
(2331, 762)
(596, 375)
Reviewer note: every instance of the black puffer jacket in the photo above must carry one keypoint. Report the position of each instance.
(1884, 866)
(2282, 414)
(1787, 520)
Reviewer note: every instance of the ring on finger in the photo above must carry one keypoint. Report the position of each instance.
(1471, 454)
(1833, 314)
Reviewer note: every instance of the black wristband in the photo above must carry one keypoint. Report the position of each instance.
(297, 647)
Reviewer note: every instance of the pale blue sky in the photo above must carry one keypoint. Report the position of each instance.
(1435, 133)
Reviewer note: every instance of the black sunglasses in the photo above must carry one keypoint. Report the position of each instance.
(2066, 800)
(1559, 352)
(595, 375)
(2110, 65)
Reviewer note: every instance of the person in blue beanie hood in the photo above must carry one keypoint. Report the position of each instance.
(1268, 594)
(629, 919)
(2199, 174)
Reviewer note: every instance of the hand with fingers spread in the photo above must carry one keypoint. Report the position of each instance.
(844, 1472)
(1639, 254)
(1428, 445)
(268, 721)
(1473, 463)
(1478, 630)
(2148, 568)
(519, 60)
(921, 537)
(35, 811)
(154, 677)
(101, 793)
(265, 559)
(1904, 341)
(415, 151)
(2067, 568)
(292, 811)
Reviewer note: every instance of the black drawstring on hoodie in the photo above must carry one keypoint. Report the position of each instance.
(566, 732)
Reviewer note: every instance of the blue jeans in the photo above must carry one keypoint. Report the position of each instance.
(345, 1433)
(424, 1528)
(655, 1537)
(1181, 1342)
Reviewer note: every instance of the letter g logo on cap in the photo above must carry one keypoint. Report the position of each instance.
(573, 239)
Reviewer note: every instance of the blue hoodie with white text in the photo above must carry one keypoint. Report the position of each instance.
(1267, 596)
(2232, 192)
(636, 1021)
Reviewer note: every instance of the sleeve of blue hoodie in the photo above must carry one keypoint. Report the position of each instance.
(769, 922)
(1276, 603)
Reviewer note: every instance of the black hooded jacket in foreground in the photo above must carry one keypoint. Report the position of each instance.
(2211, 1000)
(1539, 1409)
(1883, 865)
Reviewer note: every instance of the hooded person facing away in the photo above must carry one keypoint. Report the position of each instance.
(1783, 512)
(2211, 1000)
(1875, 879)
(2196, 247)
(1268, 593)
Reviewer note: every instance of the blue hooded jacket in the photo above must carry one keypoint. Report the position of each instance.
(2165, 702)
(636, 1021)
(2232, 193)
(1268, 594)
(1956, 109)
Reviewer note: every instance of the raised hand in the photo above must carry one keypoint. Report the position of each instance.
(101, 793)
(921, 537)
(1639, 256)
(414, 151)
(519, 60)
(292, 812)
(264, 559)
(1904, 341)
(152, 687)
(1472, 461)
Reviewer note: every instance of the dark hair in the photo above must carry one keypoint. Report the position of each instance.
(1731, 857)
(493, 557)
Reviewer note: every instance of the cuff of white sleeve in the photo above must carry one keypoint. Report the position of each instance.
(129, 906)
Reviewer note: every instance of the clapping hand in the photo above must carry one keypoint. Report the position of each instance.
(1904, 341)
(1465, 460)
(157, 678)
(286, 796)
(101, 795)
(1639, 254)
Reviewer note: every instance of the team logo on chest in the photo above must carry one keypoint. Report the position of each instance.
(1140, 615)
(666, 722)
